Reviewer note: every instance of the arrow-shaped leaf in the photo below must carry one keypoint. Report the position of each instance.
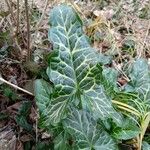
(74, 69)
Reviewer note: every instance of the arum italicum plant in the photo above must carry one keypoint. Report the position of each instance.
(77, 104)
(143, 119)
(140, 83)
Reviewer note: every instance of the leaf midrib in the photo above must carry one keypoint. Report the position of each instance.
(70, 51)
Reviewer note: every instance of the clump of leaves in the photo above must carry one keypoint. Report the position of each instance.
(140, 83)
(76, 106)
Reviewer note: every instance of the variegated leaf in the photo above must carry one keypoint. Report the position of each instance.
(61, 142)
(140, 80)
(145, 146)
(43, 91)
(86, 132)
(128, 130)
(74, 68)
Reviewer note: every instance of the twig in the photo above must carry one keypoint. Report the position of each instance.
(41, 47)
(1, 23)
(146, 35)
(14, 37)
(37, 28)
(18, 11)
(28, 30)
(15, 86)
(11, 10)
(42, 16)
(125, 76)
(18, 30)
(12, 23)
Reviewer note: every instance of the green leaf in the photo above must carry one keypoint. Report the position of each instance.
(111, 74)
(145, 146)
(44, 146)
(74, 69)
(112, 89)
(22, 121)
(110, 81)
(140, 80)
(61, 142)
(86, 132)
(128, 130)
(43, 91)
(104, 59)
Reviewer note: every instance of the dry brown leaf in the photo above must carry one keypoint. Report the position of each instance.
(7, 140)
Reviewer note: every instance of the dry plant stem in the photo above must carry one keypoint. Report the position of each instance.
(41, 47)
(18, 21)
(28, 31)
(141, 51)
(15, 86)
(2, 21)
(12, 25)
(18, 11)
(39, 28)
(77, 8)
(14, 20)
(146, 35)
(39, 22)
(42, 16)
(125, 76)
(14, 38)
(11, 10)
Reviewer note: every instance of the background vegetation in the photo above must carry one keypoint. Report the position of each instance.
(119, 29)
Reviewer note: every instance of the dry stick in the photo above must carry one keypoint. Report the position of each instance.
(2, 21)
(39, 23)
(125, 76)
(18, 21)
(15, 23)
(11, 10)
(146, 35)
(18, 11)
(12, 25)
(18, 30)
(42, 16)
(11, 31)
(28, 30)
(15, 86)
